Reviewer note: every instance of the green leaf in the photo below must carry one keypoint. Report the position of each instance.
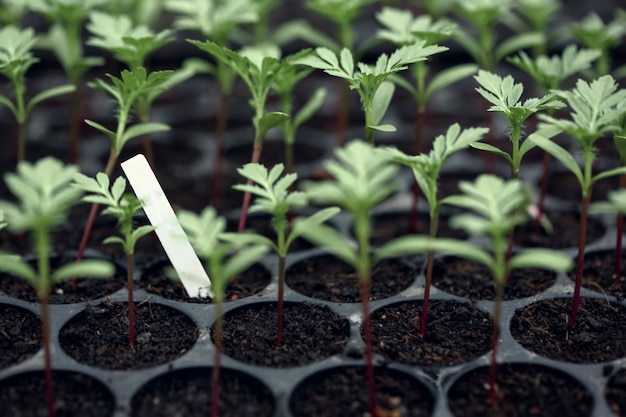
(14, 265)
(609, 173)
(383, 128)
(140, 129)
(89, 268)
(49, 93)
(271, 120)
(102, 129)
(517, 42)
(243, 259)
(330, 239)
(310, 223)
(541, 258)
(450, 76)
(310, 107)
(559, 153)
(380, 104)
(490, 148)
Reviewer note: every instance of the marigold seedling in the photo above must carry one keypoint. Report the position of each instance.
(426, 169)
(498, 207)
(124, 207)
(273, 197)
(44, 200)
(595, 112)
(15, 60)
(225, 256)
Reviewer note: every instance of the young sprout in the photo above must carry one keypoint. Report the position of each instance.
(45, 198)
(402, 29)
(284, 86)
(15, 60)
(65, 39)
(12, 11)
(498, 207)
(216, 21)
(259, 67)
(593, 33)
(363, 178)
(126, 90)
(273, 197)
(550, 73)
(426, 169)
(124, 207)
(131, 44)
(534, 17)
(369, 81)
(225, 257)
(595, 112)
(616, 203)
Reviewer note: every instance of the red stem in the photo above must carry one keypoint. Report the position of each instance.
(415, 191)
(579, 262)
(542, 191)
(281, 299)
(75, 124)
(45, 333)
(215, 376)
(495, 334)
(367, 336)
(509, 252)
(618, 239)
(130, 263)
(256, 156)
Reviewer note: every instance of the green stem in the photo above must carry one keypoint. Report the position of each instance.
(582, 233)
(434, 222)
(42, 247)
(500, 272)
(75, 124)
(220, 130)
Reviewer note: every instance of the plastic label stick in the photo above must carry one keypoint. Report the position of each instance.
(161, 215)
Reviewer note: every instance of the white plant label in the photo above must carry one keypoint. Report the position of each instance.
(166, 226)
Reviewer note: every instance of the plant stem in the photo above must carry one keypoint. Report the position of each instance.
(45, 334)
(20, 142)
(215, 375)
(220, 129)
(75, 124)
(281, 299)
(618, 239)
(542, 191)
(256, 157)
(580, 260)
(434, 221)
(130, 264)
(495, 334)
(343, 111)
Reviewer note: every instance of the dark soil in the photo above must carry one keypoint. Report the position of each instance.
(341, 392)
(565, 235)
(456, 333)
(616, 392)
(525, 390)
(20, 335)
(388, 226)
(155, 281)
(597, 337)
(65, 292)
(75, 395)
(474, 281)
(328, 278)
(98, 336)
(311, 333)
(599, 274)
(187, 392)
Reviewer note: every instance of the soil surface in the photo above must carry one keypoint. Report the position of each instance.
(565, 235)
(327, 278)
(311, 333)
(474, 281)
(75, 394)
(20, 335)
(597, 337)
(98, 336)
(187, 393)
(525, 390)
(616, 392)
(341, 392)
(65, 292)
(456, 333)
(599, 274)
(155, 280)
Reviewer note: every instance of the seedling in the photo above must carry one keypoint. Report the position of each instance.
(225, 257)
(363, 178)
(426, 169)
(616, 203)
(131, 44)
(593, 33)
(535, 16)
(44, 200)
(124, 207)
(140, 12)
(619, 140)
(284, 85)
(259, 67)
(15, 60)
(273, 197)
(498, 207)
(369, 81)
(595, 112)
(126, 91)
(65, 39)
(216, 21)
(550, 73)
(11, 12)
